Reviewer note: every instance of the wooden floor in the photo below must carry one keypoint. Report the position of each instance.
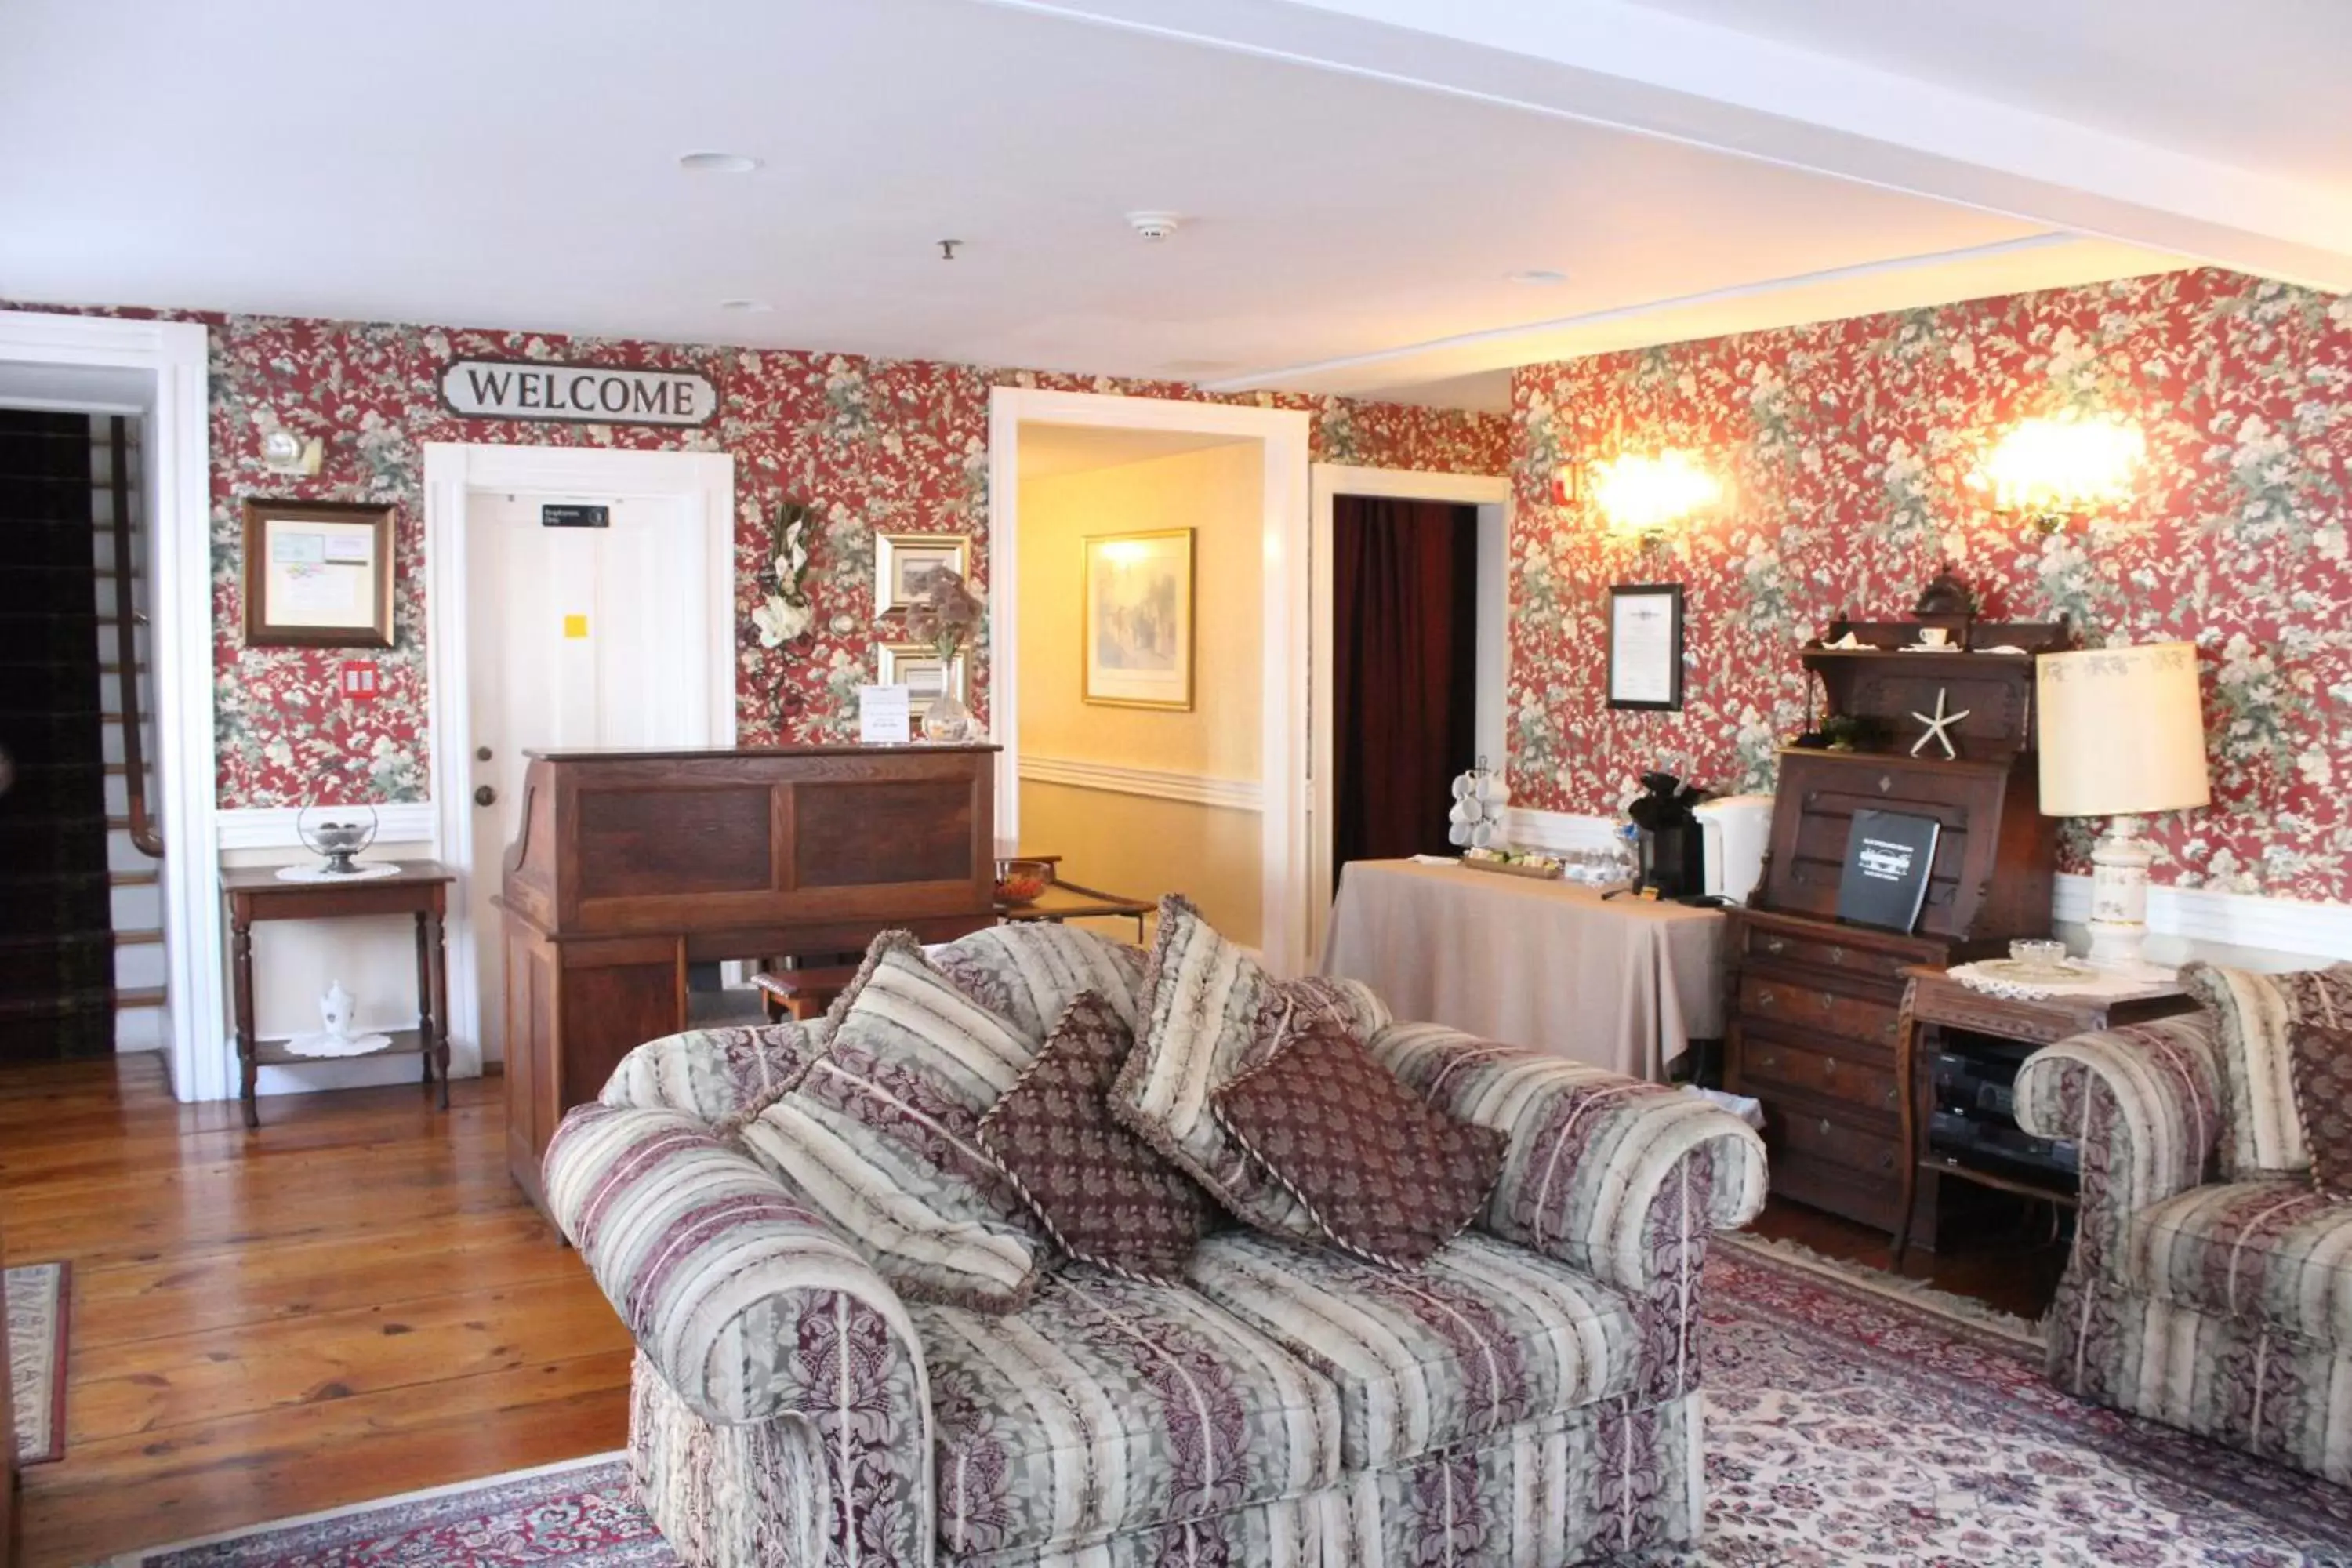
(350, 1302)
(2010, 1266)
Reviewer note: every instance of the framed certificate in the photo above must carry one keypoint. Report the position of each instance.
(318, 575)
(1645, 645)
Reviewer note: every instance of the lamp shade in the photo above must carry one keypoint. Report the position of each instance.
(2121, 731)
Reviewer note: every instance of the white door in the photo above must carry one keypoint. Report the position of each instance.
(578, 637)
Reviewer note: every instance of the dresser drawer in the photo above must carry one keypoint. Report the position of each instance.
(1767, 1063)
(1771, 947)
(1852, 1145)
(1768, 998)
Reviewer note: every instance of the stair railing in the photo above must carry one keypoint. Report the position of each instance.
(144, 834)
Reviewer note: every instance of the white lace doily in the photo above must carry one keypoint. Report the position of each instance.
(1997, 977)
(326, 1045)
(362, 872)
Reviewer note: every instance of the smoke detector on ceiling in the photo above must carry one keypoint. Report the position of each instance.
(1154, 226)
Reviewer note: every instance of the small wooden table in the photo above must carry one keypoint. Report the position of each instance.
(1932, 999)
(420, 887)
(1068, 901)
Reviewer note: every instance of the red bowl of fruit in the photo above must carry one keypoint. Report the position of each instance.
(1020, 881)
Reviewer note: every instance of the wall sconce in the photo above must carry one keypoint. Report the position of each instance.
(2048, 471)
(1644, 496)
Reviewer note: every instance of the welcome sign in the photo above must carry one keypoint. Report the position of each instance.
(588, 393)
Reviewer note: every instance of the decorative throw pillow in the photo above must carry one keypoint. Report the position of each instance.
(1027, 973)
(1211, 1012)
(1102, 1194)
(882, 1135)
(2256, 1014)
(1384, 1174)
(2321, 1059)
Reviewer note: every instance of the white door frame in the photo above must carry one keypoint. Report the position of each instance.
(1492, 497)
(1284, 436)
(704, 484)
(176, 459)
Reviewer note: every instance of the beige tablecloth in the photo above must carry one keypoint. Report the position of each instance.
(1623, 983)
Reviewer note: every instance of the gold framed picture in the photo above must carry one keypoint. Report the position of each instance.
(901, 562)
(318, 575)
(1138, 622)
(916, 665)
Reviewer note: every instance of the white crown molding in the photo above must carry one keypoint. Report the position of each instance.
(272, 826)
(1193, 789)
(2198, 917)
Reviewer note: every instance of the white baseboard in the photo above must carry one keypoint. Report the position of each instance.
(272, 826)
(1195, 789)
(2197, 918)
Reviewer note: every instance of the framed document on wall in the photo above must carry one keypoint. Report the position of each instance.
(1645, 645)
(318, 575)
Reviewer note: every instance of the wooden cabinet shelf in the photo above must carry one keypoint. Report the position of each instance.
(1816, 1003)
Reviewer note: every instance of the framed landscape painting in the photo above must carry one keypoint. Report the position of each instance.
(1139, 619)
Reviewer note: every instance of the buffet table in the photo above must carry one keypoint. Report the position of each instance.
(1624, 983)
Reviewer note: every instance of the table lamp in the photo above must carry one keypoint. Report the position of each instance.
(2121, 734)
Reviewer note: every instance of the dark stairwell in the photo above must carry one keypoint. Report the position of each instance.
(56, 939)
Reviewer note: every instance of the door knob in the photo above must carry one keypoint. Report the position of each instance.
(481, 753)
(485, 795)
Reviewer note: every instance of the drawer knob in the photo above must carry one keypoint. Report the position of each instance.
(1825, 1127)
(1886, 1160)
(1829, 1067)
(1837, 956)
(1774, 944)
(1889, 1029)
(1765, 997)
(1829, 1000)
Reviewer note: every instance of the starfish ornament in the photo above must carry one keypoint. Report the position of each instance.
(1940, 726)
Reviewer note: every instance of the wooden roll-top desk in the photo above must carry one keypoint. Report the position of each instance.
(631, 865)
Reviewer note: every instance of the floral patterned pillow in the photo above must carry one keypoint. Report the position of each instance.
(881, 1135)
(2257, 1015)
(1384, 1175)
(1101, 1192)
(2323, 1098)
(1211, 1012)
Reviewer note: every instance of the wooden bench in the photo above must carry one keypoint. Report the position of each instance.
(801, 995)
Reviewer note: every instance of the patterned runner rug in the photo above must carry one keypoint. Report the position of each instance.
(36, 1359)
(1847, 1424)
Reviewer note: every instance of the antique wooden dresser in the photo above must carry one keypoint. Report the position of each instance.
(1811, 1020)
(631, 865)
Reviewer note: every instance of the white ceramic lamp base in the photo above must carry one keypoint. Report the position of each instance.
(2119, 864)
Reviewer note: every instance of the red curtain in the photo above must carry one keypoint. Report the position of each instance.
(1405, 582)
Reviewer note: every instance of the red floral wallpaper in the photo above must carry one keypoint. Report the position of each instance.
(880, 445)
(1847, 448)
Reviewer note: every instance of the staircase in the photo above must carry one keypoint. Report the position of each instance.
(81, 969)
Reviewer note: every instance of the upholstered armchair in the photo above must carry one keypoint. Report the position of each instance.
(2221, 1307)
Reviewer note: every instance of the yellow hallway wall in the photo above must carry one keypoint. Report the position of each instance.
(1133, 844)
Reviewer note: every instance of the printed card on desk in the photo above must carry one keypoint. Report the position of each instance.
(885, 716)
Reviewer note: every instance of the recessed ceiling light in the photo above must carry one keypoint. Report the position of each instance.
(1539, 275)
(717, 163)
(749, 307)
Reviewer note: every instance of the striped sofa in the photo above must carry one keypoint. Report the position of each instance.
(1530, 1397)
(2223, 1307)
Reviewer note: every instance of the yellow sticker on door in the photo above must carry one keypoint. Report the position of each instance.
(575, 625)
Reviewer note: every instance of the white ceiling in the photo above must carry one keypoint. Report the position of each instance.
(2259, 84)
(1051, 451)
(1356, 191)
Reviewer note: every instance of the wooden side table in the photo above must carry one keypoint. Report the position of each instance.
(1068, 901)
(1932, 999)
(420, 887)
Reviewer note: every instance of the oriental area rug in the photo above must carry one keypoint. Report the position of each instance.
(1847, 1424)
(38, 1297)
